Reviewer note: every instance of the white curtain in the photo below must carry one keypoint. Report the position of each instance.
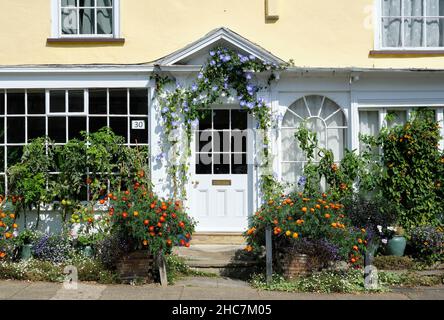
(409, 32)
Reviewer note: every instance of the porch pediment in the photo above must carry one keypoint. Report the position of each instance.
(196, 53)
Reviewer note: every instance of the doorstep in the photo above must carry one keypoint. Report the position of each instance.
(218, 238)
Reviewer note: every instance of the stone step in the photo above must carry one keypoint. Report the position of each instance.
(218, 238)
(219, 259)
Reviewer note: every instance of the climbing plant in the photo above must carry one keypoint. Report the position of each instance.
(226, 74)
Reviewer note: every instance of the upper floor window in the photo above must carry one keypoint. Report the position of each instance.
(85, 18)
(412, 24)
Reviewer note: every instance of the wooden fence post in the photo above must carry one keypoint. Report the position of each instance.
(162, 270)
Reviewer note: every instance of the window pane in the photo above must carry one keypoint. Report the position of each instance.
(221, 141)
(391, 32)
(435, 32)
(118, 101)
(391, 8)
(413, 8)
(221, 163)
(239, 140)
(203, 163)
(69, 3)
(435, 8)
(97, 101)
(86, 3)
(36, 127)
(139, 135)
(336, 142)
(314, 104)
(96, 123)
(76, 101)
(104, 3)
(221, 119)
(139, 101)
(292, 171)
(413, 32)
(16, 129)
(57, 101)
(205, 123)
(57, 129)
(87, 21)
(16, 102)
(104, 21)
(2, 130)
(69, 21)
(75, 126)
(2, 102)
(290, 146)
(119, 126)
(14, 155)
(396, 117)
(204, 141)
(2, 166)
(36, 102)
(239, 163)
(239, 120)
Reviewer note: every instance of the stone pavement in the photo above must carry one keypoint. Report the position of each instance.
(191, 289)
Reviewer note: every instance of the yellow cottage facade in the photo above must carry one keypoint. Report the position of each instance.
(73, 65)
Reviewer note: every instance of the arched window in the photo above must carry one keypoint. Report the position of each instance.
(324, 117)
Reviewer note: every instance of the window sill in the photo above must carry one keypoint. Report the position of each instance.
(407, 52)
(86, 40)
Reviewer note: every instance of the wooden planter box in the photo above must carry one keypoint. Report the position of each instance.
(138, 265)
(294, 265)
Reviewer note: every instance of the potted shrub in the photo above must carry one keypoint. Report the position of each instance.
(396, 245)
(25, 241)
(152, 225)
(307, 226)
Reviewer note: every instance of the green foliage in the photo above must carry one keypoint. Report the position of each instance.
(413, 169)
(321, 165)
(393, 263)
(427, 244)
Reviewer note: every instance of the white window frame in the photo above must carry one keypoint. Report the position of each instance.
(378, 28)
(56, 31)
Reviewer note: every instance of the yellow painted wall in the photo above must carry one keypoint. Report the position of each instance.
(314, 33)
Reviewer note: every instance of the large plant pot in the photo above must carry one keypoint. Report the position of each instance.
(294, 265)
(137, 265)
(88, 251)
(26, 252)
(396, 246)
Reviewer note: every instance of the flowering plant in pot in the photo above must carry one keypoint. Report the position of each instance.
(151, 222)
(397, 242)
(294, 217)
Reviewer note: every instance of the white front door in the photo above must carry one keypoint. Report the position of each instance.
(219, 194)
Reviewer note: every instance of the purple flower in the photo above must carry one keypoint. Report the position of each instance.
(200, 75)
(212, 63)
(250, 105)
(212, 53)
(175, 124)
(226, 58)
(194, 123)
(215, 88)
(242, 103)
(164, 110)
(248, 76)
(160, 156)
(302, 181)
(185, 104)
(186, 109)
(194, 87)
(252, 57)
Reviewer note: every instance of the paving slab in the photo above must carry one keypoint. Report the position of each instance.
(10, 288)
(37, 291)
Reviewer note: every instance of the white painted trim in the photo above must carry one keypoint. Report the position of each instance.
(377, 24)
(55, 19)
(220, 34)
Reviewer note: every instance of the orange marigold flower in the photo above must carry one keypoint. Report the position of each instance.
(334, 225)
(295, 235)
(304, 209)
(327, 216)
